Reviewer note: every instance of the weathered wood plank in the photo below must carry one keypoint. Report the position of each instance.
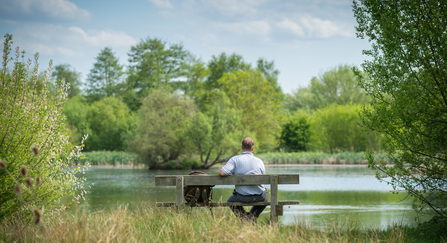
(179, 193)
(226, 204)
(273, 199)
(226, 180)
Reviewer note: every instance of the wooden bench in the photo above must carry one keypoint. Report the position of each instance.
(181, 181)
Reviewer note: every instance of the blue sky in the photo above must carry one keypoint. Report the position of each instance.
(304, 38)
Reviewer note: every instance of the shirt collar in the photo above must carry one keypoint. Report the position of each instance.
(246, 153)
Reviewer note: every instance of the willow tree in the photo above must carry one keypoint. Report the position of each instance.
(408, 88)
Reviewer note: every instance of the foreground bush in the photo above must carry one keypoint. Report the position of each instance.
(143, 223)
(34, 149)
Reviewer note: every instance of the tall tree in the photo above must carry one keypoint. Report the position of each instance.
(270, 73)
(215, 131)
(64, 73)
(219, 65)
(408, 91)
(260, 105)
(338, 85)
(154, 64)
(105, 75)
(162, 125)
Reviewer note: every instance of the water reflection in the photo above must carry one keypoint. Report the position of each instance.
(326, 193)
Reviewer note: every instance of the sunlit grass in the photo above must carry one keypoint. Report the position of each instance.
(351, 158)
(143, 223)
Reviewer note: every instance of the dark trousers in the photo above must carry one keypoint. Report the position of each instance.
(255, 211)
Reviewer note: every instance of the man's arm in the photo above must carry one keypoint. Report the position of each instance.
(221, 173)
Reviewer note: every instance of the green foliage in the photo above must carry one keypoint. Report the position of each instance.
(63, 73)
(215, 133)
(352, 158)
(162, 125)
(408, 94)
(104, 76)
(336, 86)
(260, 105)
(32, 119)
(335, 128)
(108, 158)
(295, 133)
(222, 64)
(156, 65)
(75, 109)
(109, 123)
(432, 230)
(270, 73)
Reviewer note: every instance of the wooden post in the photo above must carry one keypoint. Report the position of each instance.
(179, 193)
(273, 199)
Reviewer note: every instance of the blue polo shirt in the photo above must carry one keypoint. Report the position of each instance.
(246, 164)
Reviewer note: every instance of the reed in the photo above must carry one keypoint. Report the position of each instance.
(108, 158)
(144, 223)
(350, 158)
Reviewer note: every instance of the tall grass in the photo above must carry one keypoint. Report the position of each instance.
(108, 158)
(353, 158)
(147, 224)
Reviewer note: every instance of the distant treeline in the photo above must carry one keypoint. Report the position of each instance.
(167, 105)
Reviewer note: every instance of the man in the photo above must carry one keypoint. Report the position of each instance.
(246, 164)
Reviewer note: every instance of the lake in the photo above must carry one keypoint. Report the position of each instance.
(327, 194)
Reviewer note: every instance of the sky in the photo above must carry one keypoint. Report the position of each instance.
(303, 37)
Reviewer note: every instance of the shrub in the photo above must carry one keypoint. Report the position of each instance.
(31, 119)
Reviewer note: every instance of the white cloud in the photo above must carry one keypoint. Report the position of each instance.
(311, 27)
(162, 3)
(251, 28)
(101, 38)
(291, 26)
(62, 9)
(234, 7)
(72, 41)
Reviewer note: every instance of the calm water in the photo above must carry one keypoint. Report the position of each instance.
(326, 194)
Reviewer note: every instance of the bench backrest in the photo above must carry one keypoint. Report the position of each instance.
(170, 180)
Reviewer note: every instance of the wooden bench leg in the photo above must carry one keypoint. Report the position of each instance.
(179, 193)
(273, 199)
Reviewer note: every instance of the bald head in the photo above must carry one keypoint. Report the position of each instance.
(248, 144)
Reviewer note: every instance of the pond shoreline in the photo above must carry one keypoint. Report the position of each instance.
(141, 166)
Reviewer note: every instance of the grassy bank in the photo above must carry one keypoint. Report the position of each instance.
(124, 158)
(108, 158)
(350, 158)
(143, 223)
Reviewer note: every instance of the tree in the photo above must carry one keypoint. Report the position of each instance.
(109, 122)
(338, 85)
(295, 133)
(408, 91)
(215, 132)
(301, 99)
(104, 76)
(32, 120)
(260, 105)
(219, 65)
(64, 73)
(163, 120)
(335, 128)
(270, 73)
(156, 65)
(75, 110)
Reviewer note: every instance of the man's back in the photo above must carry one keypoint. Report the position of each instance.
(246, 164)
